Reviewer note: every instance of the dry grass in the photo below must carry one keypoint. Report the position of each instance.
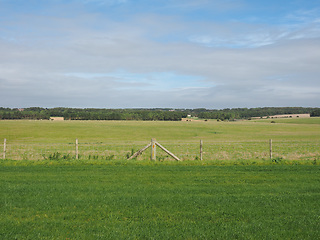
(246, 140)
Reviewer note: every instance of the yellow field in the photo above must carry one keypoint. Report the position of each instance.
(293, 139)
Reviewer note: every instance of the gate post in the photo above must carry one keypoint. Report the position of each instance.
(153, 149)
(201, 152)
(4, 148)
(77, 149)
(270, 148)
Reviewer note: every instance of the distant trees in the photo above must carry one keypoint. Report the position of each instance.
(148, 114)
(92, 114)
(315, 113)
(246, 113)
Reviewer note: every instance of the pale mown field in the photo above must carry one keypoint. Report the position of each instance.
(293, 139)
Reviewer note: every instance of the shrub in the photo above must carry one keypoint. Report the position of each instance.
(57, 156)
(277, 160)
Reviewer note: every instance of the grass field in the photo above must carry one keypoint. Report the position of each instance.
(293, 139)
(160, 202)
(236, 192)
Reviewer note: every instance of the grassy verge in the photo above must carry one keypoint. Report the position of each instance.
(158, 201)
(146, 162)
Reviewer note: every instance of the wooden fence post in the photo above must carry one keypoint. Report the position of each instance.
(270, 144)
(201, 143)
(77, 149)
(153, 149)
(4, 148)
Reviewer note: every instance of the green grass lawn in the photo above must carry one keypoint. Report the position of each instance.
(159, 201)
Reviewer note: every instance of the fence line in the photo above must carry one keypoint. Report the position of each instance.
(184, 150)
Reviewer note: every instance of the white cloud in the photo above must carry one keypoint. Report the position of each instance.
(90, 60)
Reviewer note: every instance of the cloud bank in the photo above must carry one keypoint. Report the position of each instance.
(126, 54)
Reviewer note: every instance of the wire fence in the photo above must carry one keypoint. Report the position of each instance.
(228, 150)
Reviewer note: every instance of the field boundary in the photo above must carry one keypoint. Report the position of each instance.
(276, 150)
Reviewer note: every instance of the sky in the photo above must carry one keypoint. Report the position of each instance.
(210, 54)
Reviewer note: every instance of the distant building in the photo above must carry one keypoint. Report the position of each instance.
(57, 118)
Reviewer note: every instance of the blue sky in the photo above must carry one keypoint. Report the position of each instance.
(177, 54)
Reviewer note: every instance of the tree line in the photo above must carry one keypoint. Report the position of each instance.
(157, 114)
(38, 113)
(247, 113)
